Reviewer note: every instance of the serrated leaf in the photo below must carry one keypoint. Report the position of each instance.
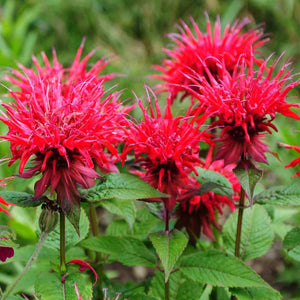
(125, 209)
(145, 223)
(21, 199)
(49, 286)
(220, 269)
(255, 293)
(127, 250)
(117, 228)
(181, 288)
(213, 181)
(292, 243)
(286, 195)
(7, 237)
(121, 187)
(73, 215)
(169, 246)
(257, 233)
(248, 178)
(72, 237)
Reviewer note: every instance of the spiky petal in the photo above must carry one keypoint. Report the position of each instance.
(192, 50)
(62, 121)
(198, 214)
(167, 149)
(245, 103)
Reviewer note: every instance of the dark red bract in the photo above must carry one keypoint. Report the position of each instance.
(62, 120)
(192, 50)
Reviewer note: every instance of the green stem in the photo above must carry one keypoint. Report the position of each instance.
(98, 258)
(239, 224)
(30, 262)
(93, 220)
(167, 290)
(62, 227)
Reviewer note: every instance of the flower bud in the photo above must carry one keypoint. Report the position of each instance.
(48, 220)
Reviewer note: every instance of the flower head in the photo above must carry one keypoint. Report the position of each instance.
(199, 213)
(191, 50)
(61, 120)
(244, 104)
(167, 149)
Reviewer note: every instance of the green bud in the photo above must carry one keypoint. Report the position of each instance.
(48, 220)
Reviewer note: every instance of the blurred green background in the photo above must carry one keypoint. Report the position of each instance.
(132, 34)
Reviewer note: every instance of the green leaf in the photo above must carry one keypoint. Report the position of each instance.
(292, 243)
(220, 269)
(21, 199)
(72, 237)
(127, 250)
(248, 179)
(169, 247)
(49, 286)
(121, 187)
(286, 195)
(73, 215)
(255, 293)
(213, 181)
(117, 228)
(7, 235)
(125, 209)
(181, 288)
(145, 223)
(255, 242)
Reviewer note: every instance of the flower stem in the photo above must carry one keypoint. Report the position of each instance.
(239, 224)
(167, 290)
(98, 258)
(30, 262)
(62, 227)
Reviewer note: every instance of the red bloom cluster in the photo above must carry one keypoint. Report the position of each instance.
(59, 119)
(168, 149)
(199, 213)
(192, 50)
(245, 103)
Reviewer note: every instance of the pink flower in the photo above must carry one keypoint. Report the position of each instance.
(192, 50)
(62, 121)
(167, 149)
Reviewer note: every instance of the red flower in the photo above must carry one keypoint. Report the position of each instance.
(245, 103)
(199, 213)
(83, 266)
(296, 161)
(61, 122)
(167, 148)
(192, 50)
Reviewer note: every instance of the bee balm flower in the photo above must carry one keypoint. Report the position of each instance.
(199, 213)
(245, 103)
(191, 50)
(167, 149)
(61, 121)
